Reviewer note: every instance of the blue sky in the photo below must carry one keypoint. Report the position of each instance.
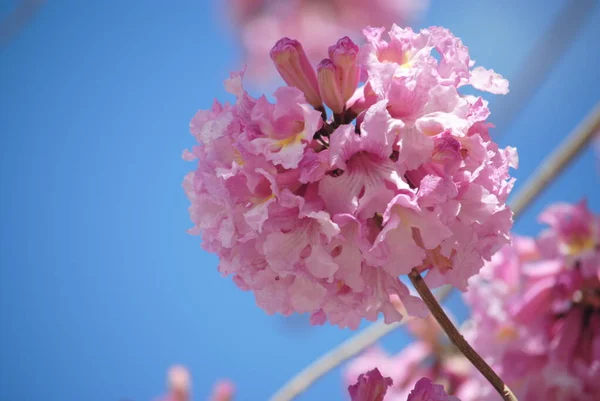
(101, 289)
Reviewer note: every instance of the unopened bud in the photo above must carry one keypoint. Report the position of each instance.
(179, 383)
(329, 86)
(343, 55)
(294, 67)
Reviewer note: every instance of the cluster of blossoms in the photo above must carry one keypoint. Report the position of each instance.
(536, 310)
(321, 215)
(262, 22)
(373, 386)
(430, 355)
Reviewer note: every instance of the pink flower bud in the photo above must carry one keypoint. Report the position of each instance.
(329, 86)
(223, 390)
(295, 69)
(344, 54)
(179, 383)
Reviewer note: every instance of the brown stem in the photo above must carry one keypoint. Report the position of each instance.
(457, 339)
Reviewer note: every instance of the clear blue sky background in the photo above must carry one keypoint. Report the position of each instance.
(101, 289)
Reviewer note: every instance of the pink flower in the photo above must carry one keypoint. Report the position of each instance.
(488, 81)
(403, 368)
(370, 386)
(425, 390)
(574, 236)
(561, 292)
(536, 309)
(321, 214)
(179, 383)
(282, 130)
(224, 390)
(260, 23)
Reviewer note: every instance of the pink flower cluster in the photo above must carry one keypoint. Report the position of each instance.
(430, 355)
(260, 23)
(536, 310)
(322, 214)
(373, 386)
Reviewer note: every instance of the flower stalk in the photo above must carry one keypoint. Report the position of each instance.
(457, 339)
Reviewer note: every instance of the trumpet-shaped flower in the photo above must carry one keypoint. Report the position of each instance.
(370, 386)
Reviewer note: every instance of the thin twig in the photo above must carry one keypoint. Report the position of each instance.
(554, 164)
(541, 59)
(457, 339)
(557, 161)
(15, 21)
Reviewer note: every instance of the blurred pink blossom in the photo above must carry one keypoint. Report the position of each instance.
(179, 384)
(321, 214)
(260, 23)
(425, 390)
(224, 390)
(536, 313)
